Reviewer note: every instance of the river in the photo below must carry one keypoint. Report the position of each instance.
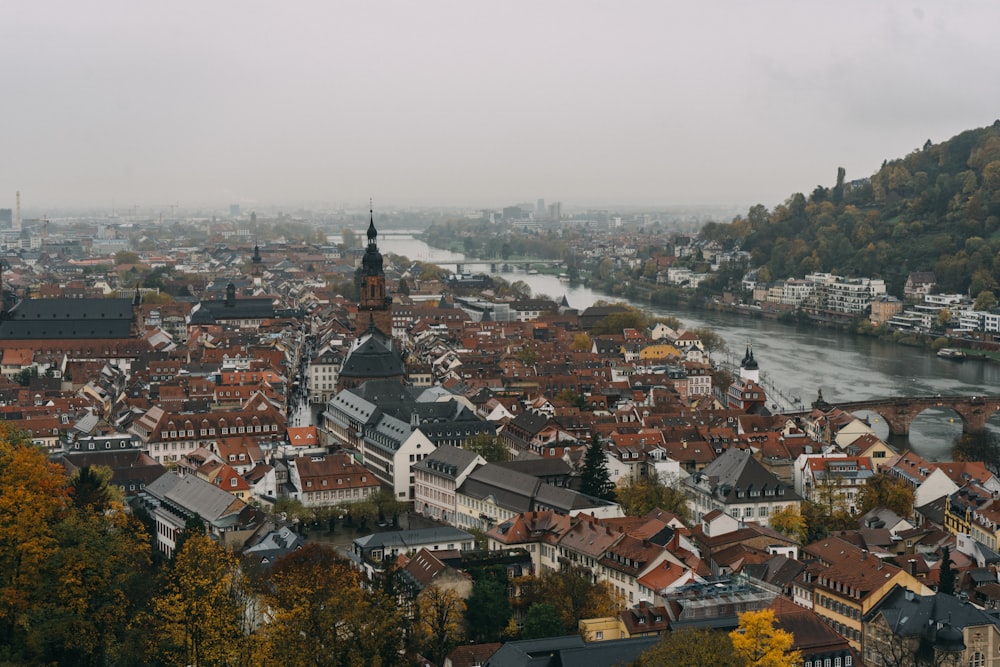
(796, 360)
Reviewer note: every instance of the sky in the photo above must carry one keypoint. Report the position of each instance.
(477, 103)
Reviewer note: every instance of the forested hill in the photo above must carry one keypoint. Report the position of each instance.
(937, 209)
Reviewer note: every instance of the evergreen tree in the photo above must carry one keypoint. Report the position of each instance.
(596, 480)
(946, 582)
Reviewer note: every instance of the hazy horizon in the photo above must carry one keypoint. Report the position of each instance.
(115, 104)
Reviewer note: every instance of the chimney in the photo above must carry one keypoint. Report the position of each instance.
(913, 566)
(864, 554)
(908, 594)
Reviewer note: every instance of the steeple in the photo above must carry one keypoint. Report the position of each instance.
(372, 232)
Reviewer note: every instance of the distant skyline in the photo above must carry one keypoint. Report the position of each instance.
(643, 103)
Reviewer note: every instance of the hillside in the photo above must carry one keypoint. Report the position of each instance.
(937, 209)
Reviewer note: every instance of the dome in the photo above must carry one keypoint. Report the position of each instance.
(749, 363)
(949, 639)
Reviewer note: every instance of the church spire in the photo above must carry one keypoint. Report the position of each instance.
(372, 232)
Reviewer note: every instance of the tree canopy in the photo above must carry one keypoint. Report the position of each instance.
(760, 644)
(595, 480)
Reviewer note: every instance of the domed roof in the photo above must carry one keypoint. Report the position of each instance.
(749, 363)
(949, 639)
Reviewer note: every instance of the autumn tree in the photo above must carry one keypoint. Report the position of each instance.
(692, 648)
(439, 625)
(789, 520)
(33, 497)
(92, 586)
(885, 491)
(581, 342)
(574, 595)
(321, 615)
(711, 340)
(489, 447)
(198, 619)
(595, 480)
(638, 496)
(760, 644)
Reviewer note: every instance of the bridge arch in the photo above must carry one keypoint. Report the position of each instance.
(899, 413)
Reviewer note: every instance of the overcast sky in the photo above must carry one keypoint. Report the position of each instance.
(477, 103)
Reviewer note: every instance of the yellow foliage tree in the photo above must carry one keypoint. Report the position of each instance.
(761, 644)
(439, 623)
(320, 614)
(199, 616)
(33, 497)
(790, 521)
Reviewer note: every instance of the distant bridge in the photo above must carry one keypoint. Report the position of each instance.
(900, 412)
(496, 264)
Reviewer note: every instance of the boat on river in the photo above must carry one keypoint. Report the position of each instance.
(951, 354)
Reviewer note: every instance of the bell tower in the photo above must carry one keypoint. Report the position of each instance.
(371, 287)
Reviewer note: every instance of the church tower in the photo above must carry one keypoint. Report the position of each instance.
(257, 267)
(371, 287)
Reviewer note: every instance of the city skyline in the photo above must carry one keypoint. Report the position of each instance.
(647, 104)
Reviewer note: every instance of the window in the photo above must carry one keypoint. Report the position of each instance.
(599, 635)
(977, 660)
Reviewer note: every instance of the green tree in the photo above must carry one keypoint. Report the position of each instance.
(692, 648)
(638, 496)
(595, 480)
(488, 607)
(489, 447)
(760, 644)
(542, 620)
(946, 580)
(404, 287)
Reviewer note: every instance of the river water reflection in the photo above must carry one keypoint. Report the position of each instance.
(797, 360)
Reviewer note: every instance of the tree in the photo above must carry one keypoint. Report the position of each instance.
(404, 287)
(760, 644)
(198, 620)
(581, 342)
(595, 479)
(488, 606)
(489, 447)
(33, 498)
(439, 623)
(946, 580)
(985, 300)
(574, 595)
(885, 491)
(789, 520)
(91, 587)
(710, 340)
(88, 488)
(321, 615)
(350, 238)
(542, 620)
(692, 648)
(126, 257)
(640, 495)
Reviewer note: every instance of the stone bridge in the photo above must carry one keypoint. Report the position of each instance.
(899, 412)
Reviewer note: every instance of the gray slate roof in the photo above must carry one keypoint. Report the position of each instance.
(196, 496)
(68, 318)
(570, 650)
